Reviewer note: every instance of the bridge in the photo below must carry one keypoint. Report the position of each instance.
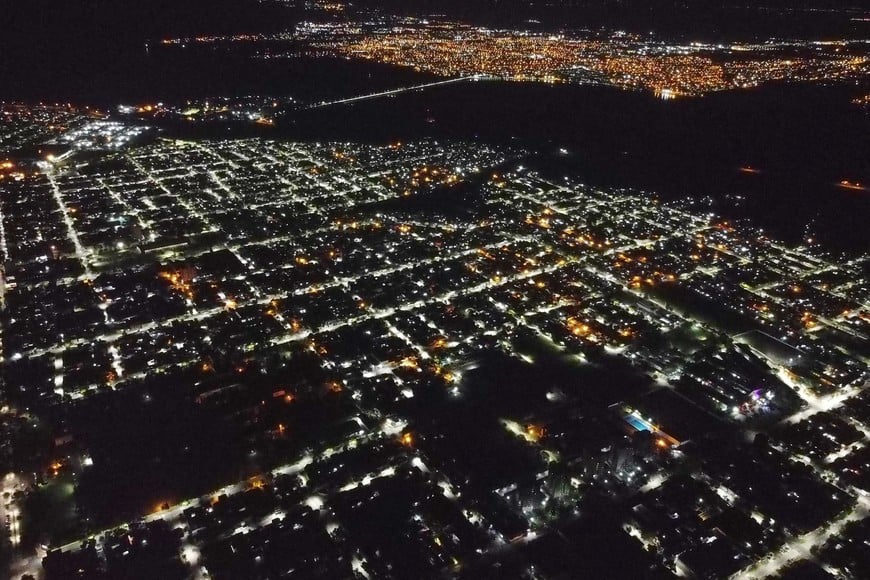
(322, 104)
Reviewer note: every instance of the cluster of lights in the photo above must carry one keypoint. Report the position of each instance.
(453, 49)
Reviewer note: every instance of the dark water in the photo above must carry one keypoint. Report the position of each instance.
(176, 74)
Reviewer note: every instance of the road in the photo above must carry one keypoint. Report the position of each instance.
(22, 563)
(799, 547)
